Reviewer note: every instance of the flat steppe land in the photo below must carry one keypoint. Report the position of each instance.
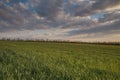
(58, 61)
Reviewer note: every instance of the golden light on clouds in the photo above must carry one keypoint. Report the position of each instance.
(113, 8)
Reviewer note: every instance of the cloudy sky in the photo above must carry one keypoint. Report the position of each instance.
(75, 20)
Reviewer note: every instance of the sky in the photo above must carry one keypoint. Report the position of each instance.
(74, 20)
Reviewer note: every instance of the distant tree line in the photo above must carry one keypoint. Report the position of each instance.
(62, 41)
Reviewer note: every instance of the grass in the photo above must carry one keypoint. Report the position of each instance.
(58, 61)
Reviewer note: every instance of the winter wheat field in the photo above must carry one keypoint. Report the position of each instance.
(58, 61)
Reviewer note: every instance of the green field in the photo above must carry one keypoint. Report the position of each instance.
(58, 61)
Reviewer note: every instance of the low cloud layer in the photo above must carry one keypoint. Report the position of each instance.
(60, 19)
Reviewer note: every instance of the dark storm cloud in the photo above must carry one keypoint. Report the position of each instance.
(49, 8)
(96, 6)
(104, 29)
(103, 4)
(110, 16)
(77, 9)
